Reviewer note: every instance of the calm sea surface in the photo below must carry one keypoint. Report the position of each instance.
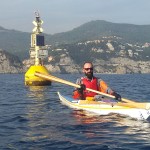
(32, 118)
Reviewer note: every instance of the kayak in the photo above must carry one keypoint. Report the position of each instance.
(105, 107)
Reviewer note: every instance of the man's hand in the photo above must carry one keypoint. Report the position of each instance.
(82, 88)
(117, 96)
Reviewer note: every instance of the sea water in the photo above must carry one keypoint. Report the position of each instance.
(33, 118)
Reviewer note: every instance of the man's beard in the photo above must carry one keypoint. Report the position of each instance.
(89, 75)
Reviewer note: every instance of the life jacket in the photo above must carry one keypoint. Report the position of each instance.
(95, 84)
(92, 84)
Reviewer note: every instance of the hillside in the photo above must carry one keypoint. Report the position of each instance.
(69, 59)
(10, 63)
(98, 29)
(15, 42)
(18, 43)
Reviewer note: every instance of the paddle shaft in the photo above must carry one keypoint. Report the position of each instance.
(50, 77)
(56, 79)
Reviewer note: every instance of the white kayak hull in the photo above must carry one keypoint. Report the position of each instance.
(105, 108)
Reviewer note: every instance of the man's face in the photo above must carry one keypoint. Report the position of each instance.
(88, 70)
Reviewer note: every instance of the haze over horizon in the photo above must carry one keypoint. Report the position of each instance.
(65, 15)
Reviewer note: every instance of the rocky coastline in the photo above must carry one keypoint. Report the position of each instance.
(119, 65)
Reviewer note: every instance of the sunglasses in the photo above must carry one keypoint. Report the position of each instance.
(88, 69)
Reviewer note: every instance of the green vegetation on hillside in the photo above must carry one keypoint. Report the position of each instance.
(18, 43)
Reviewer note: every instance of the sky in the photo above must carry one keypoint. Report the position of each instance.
(65, 15)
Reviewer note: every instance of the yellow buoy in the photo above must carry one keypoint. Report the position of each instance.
(32, 80)
(38, 52)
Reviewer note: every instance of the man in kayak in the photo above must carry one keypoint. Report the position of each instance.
(92, 82)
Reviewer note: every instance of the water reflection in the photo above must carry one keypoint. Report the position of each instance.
(37, 92)
(36, 111)
(85, 117)
(42, 114)
(113, 125)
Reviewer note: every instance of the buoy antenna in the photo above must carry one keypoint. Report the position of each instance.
(37, 14)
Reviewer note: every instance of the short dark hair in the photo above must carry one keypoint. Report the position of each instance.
(87, 62)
